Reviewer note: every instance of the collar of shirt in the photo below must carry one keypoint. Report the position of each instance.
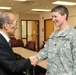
(63, 34)
(62, 31)
(7, 39)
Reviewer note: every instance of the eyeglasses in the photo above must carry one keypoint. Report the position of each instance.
(13, 25)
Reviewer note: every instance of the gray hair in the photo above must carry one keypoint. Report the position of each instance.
(4, 18)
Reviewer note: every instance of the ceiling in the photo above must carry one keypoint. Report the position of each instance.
(26, 6)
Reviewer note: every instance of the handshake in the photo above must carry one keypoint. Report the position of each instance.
(34, 60)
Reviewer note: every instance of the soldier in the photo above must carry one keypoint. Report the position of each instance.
(60, 48)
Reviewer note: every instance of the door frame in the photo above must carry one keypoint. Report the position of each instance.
(27, 31)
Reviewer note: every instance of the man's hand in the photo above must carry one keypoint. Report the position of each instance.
(34, 60)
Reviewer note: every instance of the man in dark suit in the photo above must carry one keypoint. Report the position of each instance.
(9, 65)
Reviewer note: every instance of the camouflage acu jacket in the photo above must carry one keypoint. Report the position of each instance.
(60, 52)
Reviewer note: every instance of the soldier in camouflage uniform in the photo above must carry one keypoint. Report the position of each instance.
(60, 48)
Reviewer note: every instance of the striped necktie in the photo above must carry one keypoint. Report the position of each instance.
(9, 43)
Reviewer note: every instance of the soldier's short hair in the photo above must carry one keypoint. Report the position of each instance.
(61, 10)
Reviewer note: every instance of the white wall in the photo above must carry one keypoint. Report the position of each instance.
(41, 20)
(72, 16)
(17, 32)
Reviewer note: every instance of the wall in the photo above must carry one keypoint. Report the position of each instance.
(41, 21)
(28, 17)
(72, 16)
(17, 32)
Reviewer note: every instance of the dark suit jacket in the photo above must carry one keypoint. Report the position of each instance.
(9, 65)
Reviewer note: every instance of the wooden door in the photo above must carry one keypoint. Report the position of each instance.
(48, 28)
